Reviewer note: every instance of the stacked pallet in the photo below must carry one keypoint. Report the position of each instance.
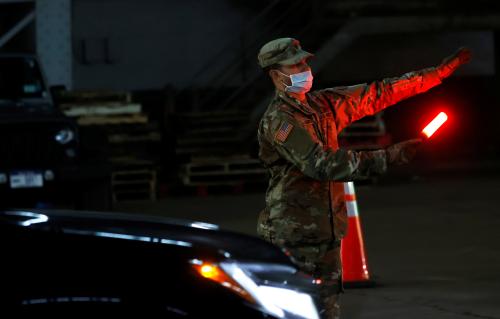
(365, 134)
(212, 151)
(133, 184)
(132, 139)
(222, 171)
(202, 134)
(101, 107)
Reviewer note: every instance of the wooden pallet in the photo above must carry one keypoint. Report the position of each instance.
(134, 138)
(113, 120)
(367, 133)
(222, 171)
(209, 133)
(93, 96)
(100, 109)
(133, 184)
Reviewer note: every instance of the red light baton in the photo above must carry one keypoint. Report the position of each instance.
(435, 124)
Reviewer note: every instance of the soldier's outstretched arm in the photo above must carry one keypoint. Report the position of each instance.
(354, 102)
(302, 148)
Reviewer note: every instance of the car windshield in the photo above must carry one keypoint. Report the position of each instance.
(20, 78)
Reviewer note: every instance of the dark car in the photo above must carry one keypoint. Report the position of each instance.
(68, 263)
(40, 148)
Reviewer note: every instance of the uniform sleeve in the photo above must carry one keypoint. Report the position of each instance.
(352, 103)
(302, 148)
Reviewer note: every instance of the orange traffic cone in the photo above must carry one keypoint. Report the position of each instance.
(354, 265)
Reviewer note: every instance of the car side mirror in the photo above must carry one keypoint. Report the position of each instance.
(57, 92)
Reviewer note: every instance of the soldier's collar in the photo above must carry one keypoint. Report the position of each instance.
(293, 101)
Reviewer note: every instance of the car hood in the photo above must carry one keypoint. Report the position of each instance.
(148, 229)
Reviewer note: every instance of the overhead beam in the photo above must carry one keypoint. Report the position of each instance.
(17, 28)
(16, 1)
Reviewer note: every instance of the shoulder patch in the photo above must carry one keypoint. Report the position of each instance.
(283, 132)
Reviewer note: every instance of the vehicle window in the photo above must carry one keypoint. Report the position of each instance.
(21, 78)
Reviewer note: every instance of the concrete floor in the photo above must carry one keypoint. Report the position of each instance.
(433, 244)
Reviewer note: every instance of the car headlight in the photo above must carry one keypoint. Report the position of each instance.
(277, 301)
(64, 136)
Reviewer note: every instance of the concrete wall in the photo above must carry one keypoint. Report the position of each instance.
(149, 43)
(134, 45)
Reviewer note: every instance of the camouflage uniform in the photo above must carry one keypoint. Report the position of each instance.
(305, 208)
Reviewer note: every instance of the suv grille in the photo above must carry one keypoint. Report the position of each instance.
(32, 144)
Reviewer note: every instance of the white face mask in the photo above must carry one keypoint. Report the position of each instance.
(301, 82)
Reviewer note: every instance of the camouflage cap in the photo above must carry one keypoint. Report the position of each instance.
(282, 51)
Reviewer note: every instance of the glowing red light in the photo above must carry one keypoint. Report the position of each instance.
(435, 124)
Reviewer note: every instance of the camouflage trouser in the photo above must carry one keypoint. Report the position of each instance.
(322, 261)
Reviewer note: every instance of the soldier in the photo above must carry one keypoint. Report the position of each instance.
(305, 209)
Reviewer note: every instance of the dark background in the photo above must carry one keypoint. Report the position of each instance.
(183, 56)
(431, 226)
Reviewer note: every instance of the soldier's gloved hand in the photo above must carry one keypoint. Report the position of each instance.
(403, 152)
(453, 62)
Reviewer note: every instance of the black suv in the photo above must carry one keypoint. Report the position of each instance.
(71, 264)
(40, 155)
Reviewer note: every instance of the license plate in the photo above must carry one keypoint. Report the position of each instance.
(26, 179)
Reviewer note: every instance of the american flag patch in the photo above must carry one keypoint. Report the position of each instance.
(283, 132)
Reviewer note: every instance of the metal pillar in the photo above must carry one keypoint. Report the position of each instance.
(53, 40)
